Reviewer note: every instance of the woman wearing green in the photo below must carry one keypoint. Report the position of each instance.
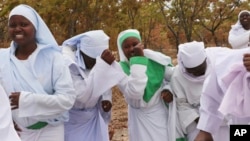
(148, 74)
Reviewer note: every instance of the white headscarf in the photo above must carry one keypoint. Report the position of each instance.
(92, 43)
(153, 55)
(237, 28)
(43, 34)
(191, 54)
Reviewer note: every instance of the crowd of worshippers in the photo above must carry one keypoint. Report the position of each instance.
(52, 92)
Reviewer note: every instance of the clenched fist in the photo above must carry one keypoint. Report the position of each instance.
(107, 56)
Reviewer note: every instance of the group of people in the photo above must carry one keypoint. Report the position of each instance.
(64, 93)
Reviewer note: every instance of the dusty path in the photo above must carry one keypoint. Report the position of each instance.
(118, 126)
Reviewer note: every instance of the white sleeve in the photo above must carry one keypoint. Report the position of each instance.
(211, 97)
(133, 86)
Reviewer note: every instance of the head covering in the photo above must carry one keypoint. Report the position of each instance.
(191, 54)
(237, 28)
(92, 43)
(123, 36)
(153, 55)
(43, 34)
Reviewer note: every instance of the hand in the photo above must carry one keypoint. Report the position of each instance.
(106, 105)
(14, 100)
(107, 56)
(17, 128)
(246, 61)
(203, 136)
(167, 96)
(138, 50)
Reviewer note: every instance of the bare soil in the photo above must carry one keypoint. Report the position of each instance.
(118, 128)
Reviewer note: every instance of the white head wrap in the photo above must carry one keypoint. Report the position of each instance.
(43, 34)
(92, 43)
(191, 54)
(237, 28)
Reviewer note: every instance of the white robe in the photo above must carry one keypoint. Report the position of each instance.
(46, 90)
(188, 90)
(146, 121)
(238, 37)
(88, 121)
(7, 130)
(213, 93)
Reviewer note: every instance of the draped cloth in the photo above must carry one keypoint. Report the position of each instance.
(7, 130)
(236, 101)
(224, 75)
(43, 81)
(147, 119)
(88, 121)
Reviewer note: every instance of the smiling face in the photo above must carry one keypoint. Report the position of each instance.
(21, 30)
(128, 46)
(245, 20)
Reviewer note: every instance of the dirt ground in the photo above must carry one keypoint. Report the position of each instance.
(118, 128)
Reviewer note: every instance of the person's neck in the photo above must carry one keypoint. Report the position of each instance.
(246, 27)
(23, 52)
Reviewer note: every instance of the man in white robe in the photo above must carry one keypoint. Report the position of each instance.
(187, 85)
(7, 130)
(239, 34)
(146, 72)
(194, 64)
(94, 72)
(39, 87)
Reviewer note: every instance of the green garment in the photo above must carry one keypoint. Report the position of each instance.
(181, 139)
(155, 73)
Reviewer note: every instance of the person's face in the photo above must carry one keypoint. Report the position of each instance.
(245, 20)
(21, 30)
(128, 46)
(199, 70)
(89, 62)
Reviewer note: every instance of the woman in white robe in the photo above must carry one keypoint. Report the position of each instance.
(7, 130)
(146, 72)
(94, 72)
(35, 77)
(239, 34)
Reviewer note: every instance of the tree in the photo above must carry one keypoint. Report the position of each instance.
(215, 14)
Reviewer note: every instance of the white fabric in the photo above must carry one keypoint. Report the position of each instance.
(174, 122)
(147, 121)
(235, 102)
(92, 43)
(153, 55)
(40, 87)
(43, 34)
(188, 100)
(238, 36)
(48, 133)
(213, 93)
(121, 54)
(191, 54)
(7, 130)
(88, 121)
(188, 90)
